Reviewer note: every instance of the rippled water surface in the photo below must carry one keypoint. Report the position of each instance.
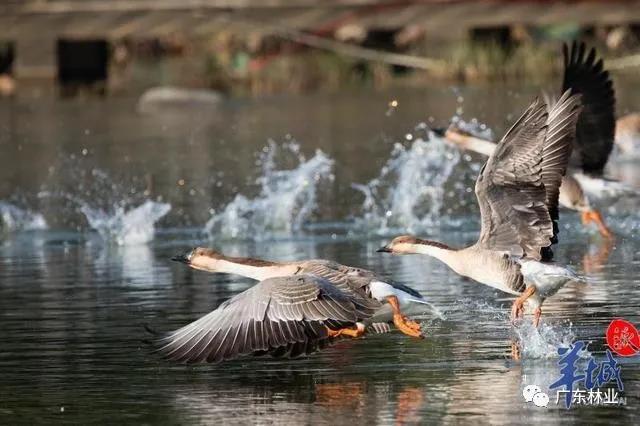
(95, 199)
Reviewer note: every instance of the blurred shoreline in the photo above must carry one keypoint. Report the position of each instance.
(238, 48)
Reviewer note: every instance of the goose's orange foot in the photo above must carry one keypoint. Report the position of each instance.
(595, 216)
(351, 332)
(412, 324)
(410, 328)
(536, 316)
(517, 308)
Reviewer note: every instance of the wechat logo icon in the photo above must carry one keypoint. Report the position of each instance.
(533, 393)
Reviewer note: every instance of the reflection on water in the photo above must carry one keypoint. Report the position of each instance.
(73, 314)
(73, 308)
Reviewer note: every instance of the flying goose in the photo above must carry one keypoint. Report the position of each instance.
(371, 302)
(517, 191)
(390, 298)
(282, 316)
(593, 142)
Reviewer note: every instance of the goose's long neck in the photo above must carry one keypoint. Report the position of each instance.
(254, 269)
(439, 251)
(471, 143)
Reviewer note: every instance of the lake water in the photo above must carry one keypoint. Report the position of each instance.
(95, 199)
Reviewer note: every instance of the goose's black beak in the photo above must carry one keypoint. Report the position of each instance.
(183, 258)
(384, 249)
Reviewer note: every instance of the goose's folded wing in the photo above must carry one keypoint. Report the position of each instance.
(586, 76)
(285, 312)
(519, 184)
(346, 278)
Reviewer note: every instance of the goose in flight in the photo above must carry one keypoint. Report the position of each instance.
(583, 75)
(375, 303)
(517, 191)
(283, 316)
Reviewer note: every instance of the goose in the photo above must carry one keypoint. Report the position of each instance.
(571, 195)
(628, 134)
(391, 299)
(295, 309)
(593, 142)
(517, 191)
(286, 316)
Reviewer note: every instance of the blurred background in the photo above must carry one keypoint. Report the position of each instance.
(176, 100)
(253, 48)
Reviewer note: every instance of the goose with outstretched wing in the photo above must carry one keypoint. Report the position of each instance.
(295, 309)
(584, 75)
(517, 191)
(282, 316)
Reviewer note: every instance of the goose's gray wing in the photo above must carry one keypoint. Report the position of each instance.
(586, 76)
(518, 186)
(285, 313)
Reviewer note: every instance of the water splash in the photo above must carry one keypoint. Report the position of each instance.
(473, 127)
(16, 219)
(410, 191)
(126, 227)
(287, 197)
(121, 213)
(543, 342)
(123, 223)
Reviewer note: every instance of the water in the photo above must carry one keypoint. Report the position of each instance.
(286, 201)
(75, 295)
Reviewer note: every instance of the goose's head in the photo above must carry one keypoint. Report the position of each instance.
(202, 258)
(404, 244)
(408, 244)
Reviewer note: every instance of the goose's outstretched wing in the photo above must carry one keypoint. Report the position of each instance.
(595, 131)
(518, 186)
(282, 316)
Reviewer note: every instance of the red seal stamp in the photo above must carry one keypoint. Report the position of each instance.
(623, 338)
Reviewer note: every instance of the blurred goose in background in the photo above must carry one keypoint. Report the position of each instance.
(628, 135)
(286, 316)
(594, 137)
(517, 191)
(392, 300)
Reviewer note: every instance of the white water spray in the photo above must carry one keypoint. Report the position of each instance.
(410, 191)
(286, 201)
(16, 219)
